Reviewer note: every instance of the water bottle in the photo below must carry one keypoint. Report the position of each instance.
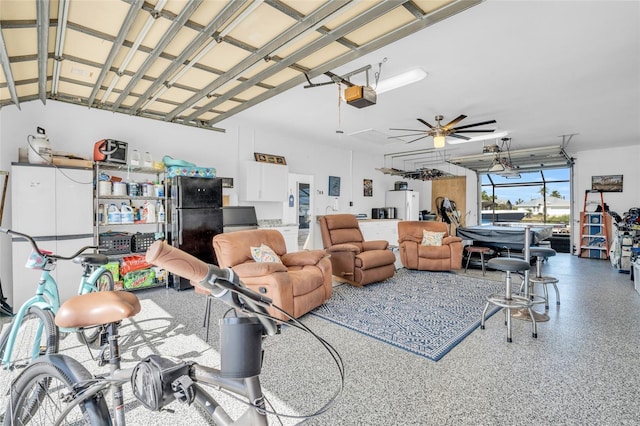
(114, 215)
(161, 214)
(126, 213)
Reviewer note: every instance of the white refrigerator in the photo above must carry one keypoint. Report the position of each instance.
(405, 202)
(55, 206)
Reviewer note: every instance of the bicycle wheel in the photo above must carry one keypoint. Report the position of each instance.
(104, 282)
(45, 389)
(25, 345)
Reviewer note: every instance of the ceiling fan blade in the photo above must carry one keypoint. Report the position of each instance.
(425, 123)
(415, 140)
(404, 136)
(453, 135)
(474, 131)
(454, 121)
(410, 130)
(474, 124)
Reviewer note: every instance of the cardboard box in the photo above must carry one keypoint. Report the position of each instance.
(72, 162)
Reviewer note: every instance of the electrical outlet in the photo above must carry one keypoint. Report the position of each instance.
(350, 203)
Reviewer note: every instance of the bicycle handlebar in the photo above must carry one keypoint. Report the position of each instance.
(35, 247)
(224, 284)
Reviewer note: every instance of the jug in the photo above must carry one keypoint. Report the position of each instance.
(126, 213)
(114, 215)
(149, 212)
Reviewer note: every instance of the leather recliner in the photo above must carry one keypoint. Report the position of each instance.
(300, 283)
(414, 255)
(354, 260)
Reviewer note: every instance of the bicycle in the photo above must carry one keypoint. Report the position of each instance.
(32, 332)
(56, 389)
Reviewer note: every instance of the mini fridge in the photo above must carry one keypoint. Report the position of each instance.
(195, 218)
(405, 202)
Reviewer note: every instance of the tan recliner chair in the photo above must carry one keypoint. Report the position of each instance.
(299, 284)
(354, 260)
(414, 255)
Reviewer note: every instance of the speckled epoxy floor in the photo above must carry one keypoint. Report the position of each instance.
(582, 369)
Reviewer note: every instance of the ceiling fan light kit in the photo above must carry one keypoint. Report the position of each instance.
(440, 132)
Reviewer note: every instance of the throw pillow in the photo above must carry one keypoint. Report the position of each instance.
(432, 238)
(264, 253)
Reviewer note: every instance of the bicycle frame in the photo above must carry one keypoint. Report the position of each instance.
(47, 297)
(117, 377)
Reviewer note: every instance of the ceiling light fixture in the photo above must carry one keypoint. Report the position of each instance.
(400, 80)
(439, 140)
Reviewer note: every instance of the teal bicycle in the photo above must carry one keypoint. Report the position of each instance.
(32, 331)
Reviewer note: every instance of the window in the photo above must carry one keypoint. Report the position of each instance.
(535, 197)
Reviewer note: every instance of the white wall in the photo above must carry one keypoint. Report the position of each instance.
(623, 161)
(75, 129)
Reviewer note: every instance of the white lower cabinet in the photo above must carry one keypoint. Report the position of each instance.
(383, 229)
(290, 234)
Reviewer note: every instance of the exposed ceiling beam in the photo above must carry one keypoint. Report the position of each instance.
(117, 45)
(205, 35)
(61, 28)
(327, 39)
(318, 15)
(6, 68)
(42, 10)
(164, 41)
(427, 20)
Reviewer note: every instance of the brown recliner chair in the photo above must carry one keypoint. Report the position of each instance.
(354, 260)
(414, 255)
(299, 284)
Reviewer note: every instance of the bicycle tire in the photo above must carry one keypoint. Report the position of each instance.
(23, 347)
(104, 282)
(36, 395)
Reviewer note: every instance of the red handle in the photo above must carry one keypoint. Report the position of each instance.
(177, 261)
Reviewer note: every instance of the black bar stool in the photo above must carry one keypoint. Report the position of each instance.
(509, 301)
(542, 253)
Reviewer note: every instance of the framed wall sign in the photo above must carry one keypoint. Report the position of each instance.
(227, 182)
(268, 158)
(334, 186)
(367, 187)
(608, 183)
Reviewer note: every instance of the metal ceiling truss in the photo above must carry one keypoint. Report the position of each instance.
(42, 9)
(6, 68)
(217, 29)
(426, 20)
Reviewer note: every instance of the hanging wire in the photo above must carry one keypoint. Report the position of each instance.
(376, 75)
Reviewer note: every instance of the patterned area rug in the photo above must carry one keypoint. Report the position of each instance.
(427, 313)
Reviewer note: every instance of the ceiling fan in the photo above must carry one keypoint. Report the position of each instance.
(440, 132)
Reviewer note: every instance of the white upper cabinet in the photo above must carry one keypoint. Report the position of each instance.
(264, 182)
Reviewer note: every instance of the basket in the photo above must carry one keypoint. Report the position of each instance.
(141, 242)
(114, 242)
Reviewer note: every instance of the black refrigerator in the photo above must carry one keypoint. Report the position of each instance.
(195, 217)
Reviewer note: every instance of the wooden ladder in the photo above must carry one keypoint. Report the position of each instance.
(593, 228)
